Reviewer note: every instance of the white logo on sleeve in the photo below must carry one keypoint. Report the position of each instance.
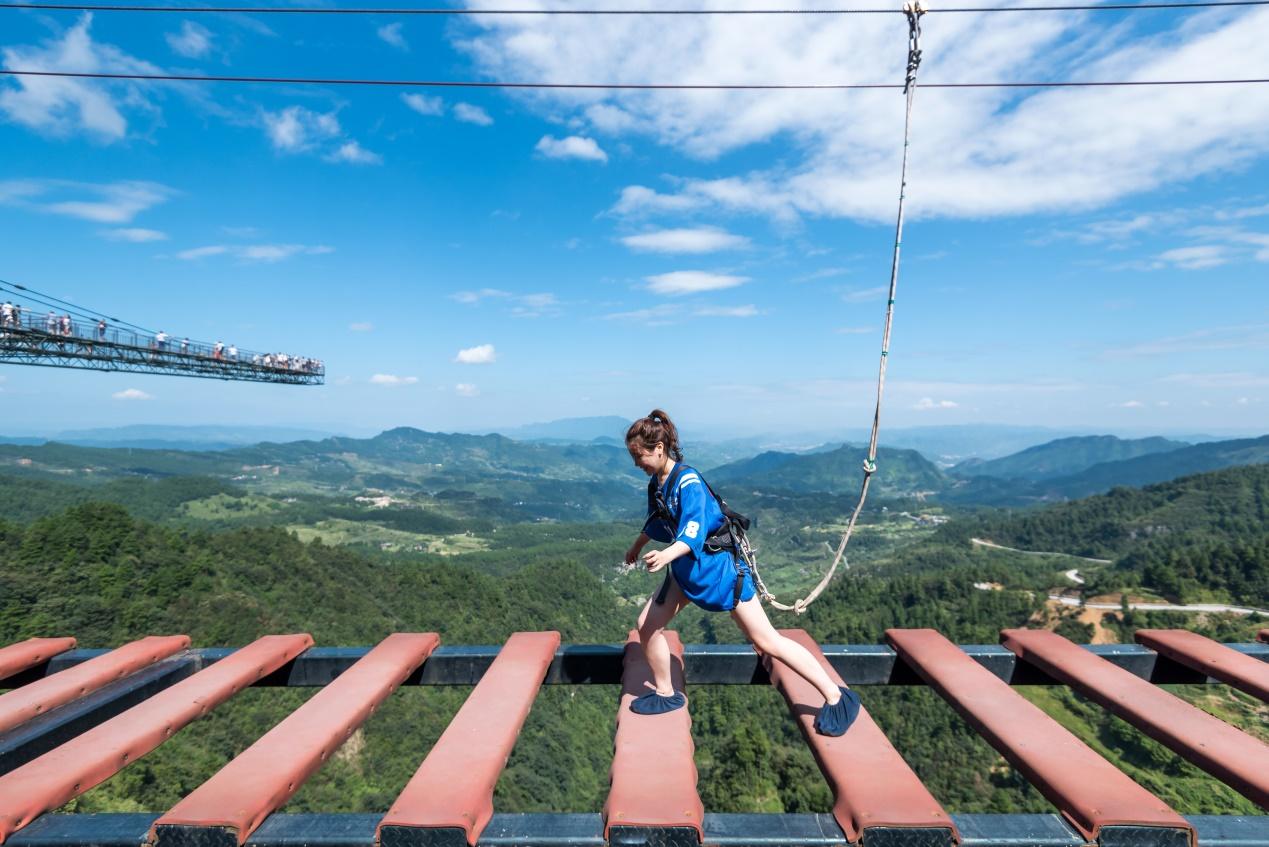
(692, 528)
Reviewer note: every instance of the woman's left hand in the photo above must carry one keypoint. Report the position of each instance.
(657, 559)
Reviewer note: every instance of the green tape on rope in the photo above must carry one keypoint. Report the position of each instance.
(889, 302)
(885, 353)
(870, 467)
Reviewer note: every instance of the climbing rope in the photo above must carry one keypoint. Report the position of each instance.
(913, 10)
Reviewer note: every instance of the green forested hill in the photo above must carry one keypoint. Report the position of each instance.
(900, 472)
(1066, 456)
(1159, 467)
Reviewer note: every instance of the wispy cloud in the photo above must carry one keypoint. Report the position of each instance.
(135, 235)
(678, 283)
(362, 326)
(62, 106)
(296, 129)
(572, 147)
(132, 394)
(267, 253)
(652, 316)
(705, 239)
(472, 297)
(864, 295)
(1244, 337)
(927, 403)
(424, 105)
(351, 151)
(1194, 258)
(106, 203)
(391, 34)
(482, 354)
(392, 380)
(466, 389)
(194, 41)
(469, 114)
(1228, 379)
(747, 311)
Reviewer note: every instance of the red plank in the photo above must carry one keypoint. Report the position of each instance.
(260, 780)
(1210, 657)
(872, 785)
(1089, 791)
(98, 754)
(653, 774)
(1233, 757)
(454, 786)
(33, 700)
(27, 654)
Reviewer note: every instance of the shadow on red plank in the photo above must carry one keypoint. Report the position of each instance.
(1233, 757)
(1210, 657)
(31, 701)
(93, 757)
(1263, 635)
(227, 808)
(653, 773)
(1089, 792)
(453, 788)
(873, 787)
(27, 654)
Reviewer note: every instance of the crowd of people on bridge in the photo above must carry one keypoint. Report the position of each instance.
(62, 326)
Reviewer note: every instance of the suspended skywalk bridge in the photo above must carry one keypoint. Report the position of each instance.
(74, 717)
(63, 341)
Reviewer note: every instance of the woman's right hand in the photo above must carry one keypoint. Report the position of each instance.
(632, 555)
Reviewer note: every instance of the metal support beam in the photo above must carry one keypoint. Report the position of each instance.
(586, 830)
(704, 664)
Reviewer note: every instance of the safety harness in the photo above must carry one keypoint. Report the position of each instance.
(730, 537)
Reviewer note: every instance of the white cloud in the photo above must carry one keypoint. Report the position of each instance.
(854, 330)
(975, 152)
(62, 106)
(572, 147)
(295, 129)
(132, 394)
(654, 316)
(747, 311)
(361, 326)
(482, 354)
(351, 151)
(424, 105)
(134, 234)
(107, 203)
(469, 114)
(267, 253)
(926, 403)
(639, 199)
(1132, 404)
(193, 41)
(677, 283)
(466, 389)
(1194, 258)
(705, 239)
(1234, 379)
(392, 380)
(535, 305)
(1245, 337)
(391, 34)
(472, 297)
(865, 295)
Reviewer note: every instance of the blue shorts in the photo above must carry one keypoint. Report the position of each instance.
(709, 580)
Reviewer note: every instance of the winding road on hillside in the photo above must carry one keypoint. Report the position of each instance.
(983, 542)
(1161, 607)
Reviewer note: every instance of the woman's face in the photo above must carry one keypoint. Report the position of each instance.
(648, 461)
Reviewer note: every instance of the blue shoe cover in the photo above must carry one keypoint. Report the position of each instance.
(657, 704)
(836, 719)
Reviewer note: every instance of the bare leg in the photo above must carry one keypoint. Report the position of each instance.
(753, 622)
(652, 620)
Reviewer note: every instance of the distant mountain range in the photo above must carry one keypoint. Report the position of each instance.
(1065, 456)
(837, 471)
(160, 437)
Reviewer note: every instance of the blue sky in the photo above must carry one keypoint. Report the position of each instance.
(477, 259)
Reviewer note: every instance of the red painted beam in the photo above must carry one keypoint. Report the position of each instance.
(454, 786)
(1089, 791)
(98, 754)
(27, 654)
(260, 780)
(30, 701)
(653, 774)
(1233, 757)
(1210, 657)
(872, 785)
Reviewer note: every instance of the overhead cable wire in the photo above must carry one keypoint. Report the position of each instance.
(624, 86)
(309, 10)
(77, 310)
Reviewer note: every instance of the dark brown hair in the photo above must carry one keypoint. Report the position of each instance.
(646, 432)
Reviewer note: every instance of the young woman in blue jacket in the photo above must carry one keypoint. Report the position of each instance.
(715, 581)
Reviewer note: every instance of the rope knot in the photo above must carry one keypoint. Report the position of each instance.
(913, 10)
(870, 467)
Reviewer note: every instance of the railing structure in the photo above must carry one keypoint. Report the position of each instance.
(63, 342)
(75, 717)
